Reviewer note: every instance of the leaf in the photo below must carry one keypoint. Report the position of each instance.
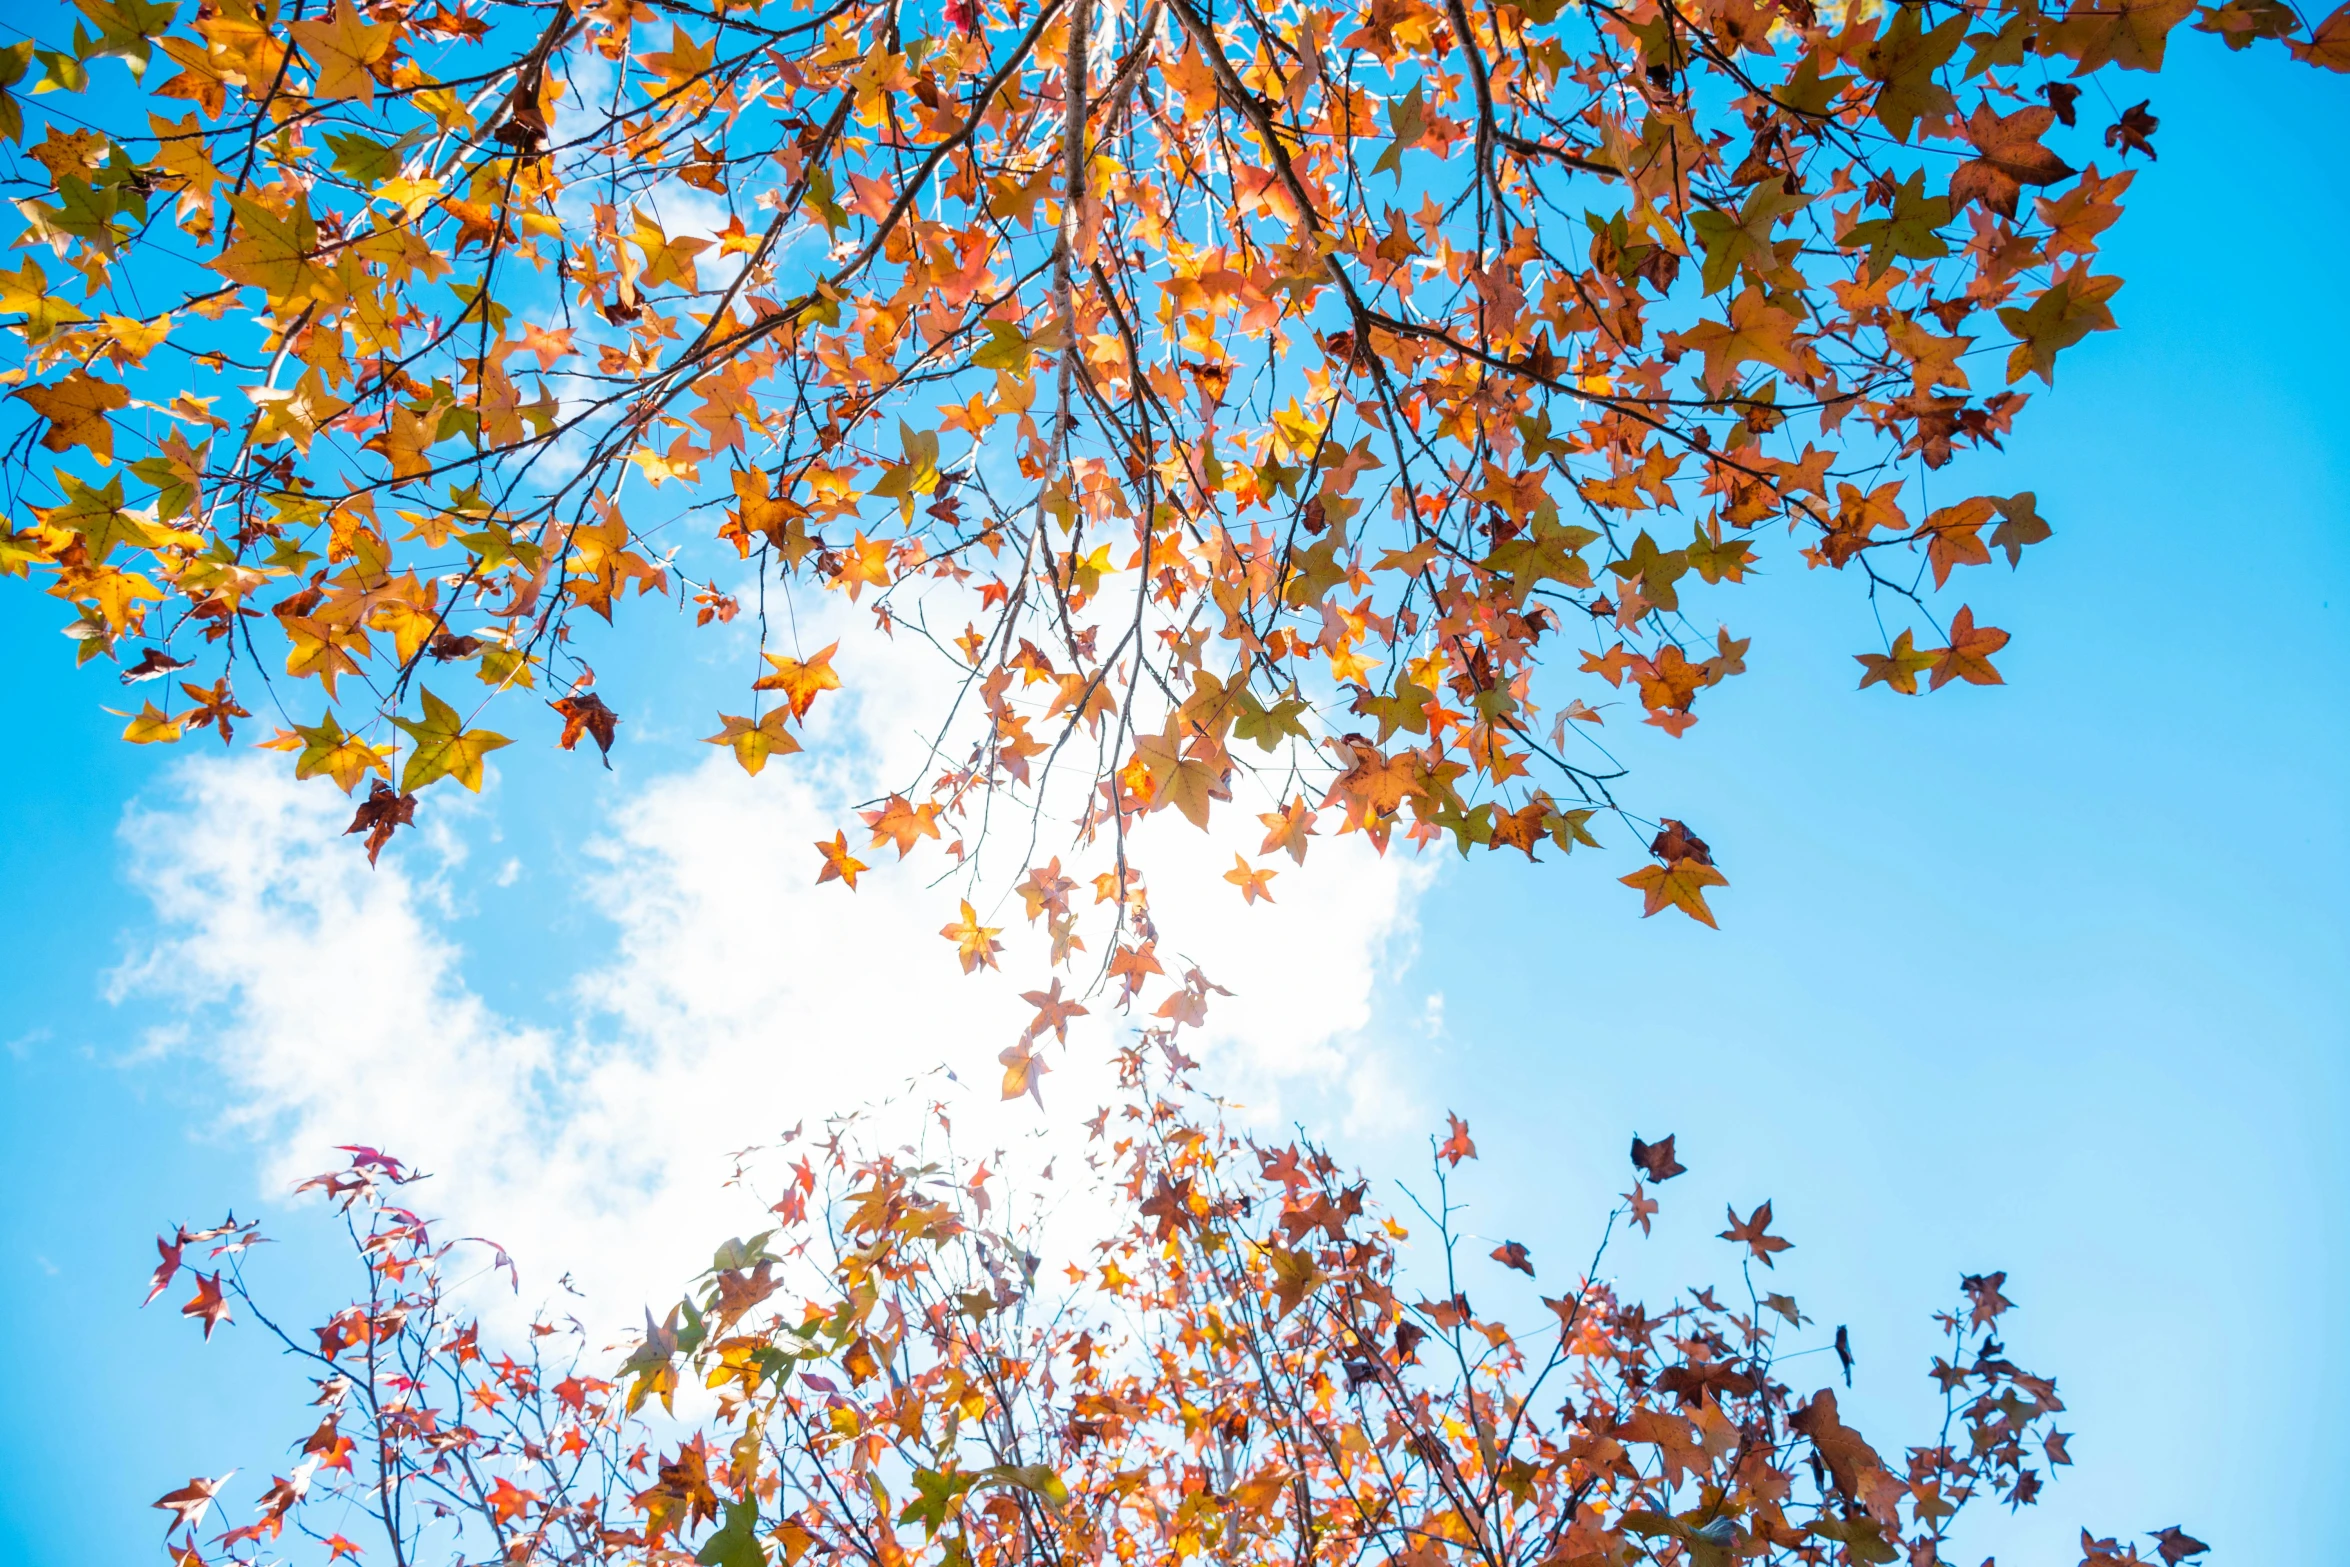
(800, 682)
(27, 289)
(1253, 884)
(2063, 314)
(192, 1501)
(1751, 1231)
(444, 747)
(839, 864)
(1655, 1161)
(77, 408)
(101, 517)
(1039, 1480)
(2134, 131)
(1968, 657)
(1024, 1072)
(326, 749)
(900, 822)
(1295, 1277)
(1512, 1254)
(1754, 332)
(152, 727)
(2329, 42)
(279, 256)
(1905, 60)
(2127, 33)
(975, 944)
(1674, 842)
(362, 159)
(1863, 1538)
(755, 740)
(1743, 241)
(1898, 668)
(206, 1305)
(1406, 124)
(2009, 157)
(1006, 348)
(345, 48)
(737, 1543)
(1456, 1145)
(1680, 885)
(382, 813)
(584, 712)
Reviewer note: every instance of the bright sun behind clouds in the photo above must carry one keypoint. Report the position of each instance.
(736, 999)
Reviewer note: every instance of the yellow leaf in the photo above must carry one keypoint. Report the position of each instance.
(279, 256)
(151, 727)
(975, 943)
(667, 260)
(322, 649)
(326, 749)
(99, 516)
(131, 340)
(76, 409)
(755, 742)
(343, 46)
(1295, 1276)
(800, 681)
(293, 413)
(1681, 884)
(1187, 783)
(1024, 1071)
(27, 289)
(445, 748)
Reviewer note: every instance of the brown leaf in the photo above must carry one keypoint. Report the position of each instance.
(2010, 157)
(584, 712)
(1753, 1230)
(1655, 1161)
(382, 813)
(1677, 843)
(1968, 657)
(2134, 131)
(1513, 1254)
(2175, 1545)
(153, 664)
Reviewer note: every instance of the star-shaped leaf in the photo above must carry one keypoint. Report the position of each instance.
(344, 46)
(445, 748)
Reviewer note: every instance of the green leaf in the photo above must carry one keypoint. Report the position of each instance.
(820, 197)
(937, 1498)
(365, 160)
(1036, 1479)
(445, 748)
(1407, 122)
(1863, 1538)
(740, 1255)
(1006, 348)
(737, 1544)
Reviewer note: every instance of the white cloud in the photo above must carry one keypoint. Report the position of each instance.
(737, 998)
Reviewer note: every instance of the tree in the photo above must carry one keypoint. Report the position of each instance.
(1239, 1373)
(1361, 402)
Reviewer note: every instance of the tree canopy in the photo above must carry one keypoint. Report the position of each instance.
(1243, 1370)
(1368, 405)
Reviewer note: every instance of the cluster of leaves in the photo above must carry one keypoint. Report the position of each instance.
(1237, 1373)
(1269, 392)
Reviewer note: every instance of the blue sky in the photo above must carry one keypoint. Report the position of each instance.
(2047, 978)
